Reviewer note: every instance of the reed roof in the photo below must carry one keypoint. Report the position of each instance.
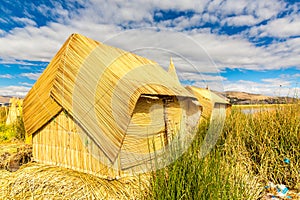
(207, 94)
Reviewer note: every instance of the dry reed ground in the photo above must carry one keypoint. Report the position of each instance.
(11, 160)
(39, 181)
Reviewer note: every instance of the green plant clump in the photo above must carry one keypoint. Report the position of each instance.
(11, 131)
(252, 151)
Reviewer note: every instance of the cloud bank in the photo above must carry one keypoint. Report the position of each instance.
(218, 35)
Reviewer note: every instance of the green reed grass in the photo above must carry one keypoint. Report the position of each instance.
(249, 154)
(3, 114)
(12, 131)
(193, 177)
(266, 138)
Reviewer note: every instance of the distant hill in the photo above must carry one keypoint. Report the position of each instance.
(5, 99)
(249, 98)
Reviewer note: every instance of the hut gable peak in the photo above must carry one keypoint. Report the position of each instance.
(172, 71)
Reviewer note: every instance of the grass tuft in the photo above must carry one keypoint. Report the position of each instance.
(251, 152)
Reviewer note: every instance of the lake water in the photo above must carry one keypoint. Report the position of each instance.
(256, 109)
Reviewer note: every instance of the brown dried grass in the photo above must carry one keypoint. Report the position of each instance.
(39, 181)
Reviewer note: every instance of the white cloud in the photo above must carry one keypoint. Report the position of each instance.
(230, 7)
(57, 12)
(212, 81)
(19, 91)
(196, 50)
(276, 82)
(286, 53)
(269, 87)
(24, 21)
(241, 20)
(4, 21)
(32, 76)
(201, 77)
(26, 84)
(259, 9)
(2, 32)
(280, 28)
(188, 55)
(211, 18)
(232, 52)
(283, 85)
(8, 76)
(14, 61)
(101, 22)
(120, 12)
(33, 43)
(208, 52)
(203, 49)
(116, 12)
(265, 9)
(182, 22)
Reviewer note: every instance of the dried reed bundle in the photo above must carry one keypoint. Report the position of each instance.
(38, 181)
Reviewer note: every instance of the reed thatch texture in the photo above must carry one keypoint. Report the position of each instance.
(39, 108)
(152, 126)
(39, 181)
(209, 100)
(15, 110)
(59, 144)
(99, 88)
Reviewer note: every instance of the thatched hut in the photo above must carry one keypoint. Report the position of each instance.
(210, 101)
(15, 110)
(105, 111)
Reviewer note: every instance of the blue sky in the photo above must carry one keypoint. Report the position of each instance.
(251, 46)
